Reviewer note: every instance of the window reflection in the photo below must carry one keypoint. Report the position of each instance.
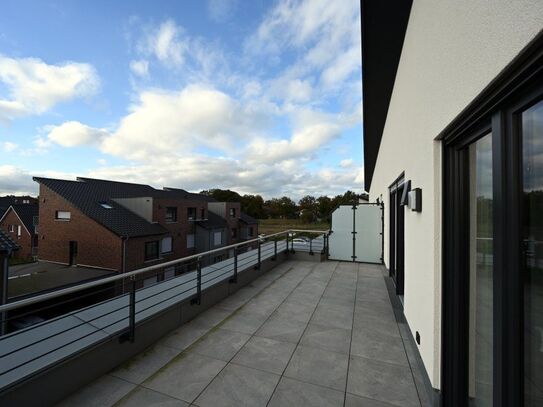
(481, 274)
(532, 149)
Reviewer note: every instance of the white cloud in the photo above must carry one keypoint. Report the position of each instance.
(163, 122)
(35, 87)
(9, 147)
(167, 43)
(140, 67)
(18, 181)
(73, 134)
(347, 163)
(221, 10)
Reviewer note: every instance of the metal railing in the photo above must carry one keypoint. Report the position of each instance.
(119, 313)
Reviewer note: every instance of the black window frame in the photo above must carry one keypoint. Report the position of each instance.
(232, 212)
(496, 109)
(146, 255)
(191, 213)
(233, 233)
(171, 214)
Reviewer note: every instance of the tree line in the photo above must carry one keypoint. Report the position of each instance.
(308, 209)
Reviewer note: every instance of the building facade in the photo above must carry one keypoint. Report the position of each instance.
(453, 117)
(20, 223)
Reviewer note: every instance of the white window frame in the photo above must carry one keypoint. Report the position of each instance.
(11, 228)
(63, 215)
(19, 230)
(164, 246)
(190, 241)
(217, 238)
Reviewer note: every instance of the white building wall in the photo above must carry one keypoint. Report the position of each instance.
(452, 51)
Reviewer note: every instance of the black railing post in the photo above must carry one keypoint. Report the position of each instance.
(292, 244)
(235, 277)
(258, 264)
(132, 310)
(327, 249)
(311, 246)
(274, 249)
(198, 298)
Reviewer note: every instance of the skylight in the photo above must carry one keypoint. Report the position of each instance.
(105, 205)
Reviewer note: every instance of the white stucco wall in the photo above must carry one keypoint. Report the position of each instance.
(452, 50)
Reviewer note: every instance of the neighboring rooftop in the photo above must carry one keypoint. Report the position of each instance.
(7, 245)
(213, 221)
(25, 212)
(249, 220)
(96, 199)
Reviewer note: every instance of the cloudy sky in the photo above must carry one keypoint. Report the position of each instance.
(257, 96)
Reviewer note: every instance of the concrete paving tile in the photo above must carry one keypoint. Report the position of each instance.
(376, 345)
(183, 337)
(211, 317)
(265, 354)
(319, 367)
(103, 392)
(220, 344)
(327, 337)
(295, 312)
(282, 328)
(140, 367)
(245, 321)
(186, 376)
(294, 393)
(375, 323)
(382, 381)
(239, 386)
(356, 401)
(142, 397)
(333, 315)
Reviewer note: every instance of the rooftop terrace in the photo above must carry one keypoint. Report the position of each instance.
(302, 334)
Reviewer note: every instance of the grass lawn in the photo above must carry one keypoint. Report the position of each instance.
(268, 226)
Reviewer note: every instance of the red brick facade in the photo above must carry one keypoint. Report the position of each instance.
(96, 245)
(24, 239)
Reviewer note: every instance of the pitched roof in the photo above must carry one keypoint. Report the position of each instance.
(191, 195)
(7, 245)
(249, 220)
(26, 213)
(87, 196)
(213, 221)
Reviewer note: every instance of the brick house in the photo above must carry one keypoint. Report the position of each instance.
(19, 222)
(8, 200)
(121, 226)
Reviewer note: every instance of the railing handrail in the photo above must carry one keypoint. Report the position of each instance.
(83, 286)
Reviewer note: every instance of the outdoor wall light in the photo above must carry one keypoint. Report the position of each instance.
(415, 200)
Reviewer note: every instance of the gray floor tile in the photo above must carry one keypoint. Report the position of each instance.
(333, 315)
(327, 337)
(183, 337)
(319, 367)
(140, 367)
(356, 401)
(293, 393)
(296, 312)
(376, 345)
(239, 386)
(142, 397)
(186, 376)
(221, 344)
(211, 317)
(245, 321)
(265, 354)
(281, 328)
(382, 381)
(376, 324)
(105, 391)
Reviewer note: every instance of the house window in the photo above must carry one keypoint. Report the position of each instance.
(234, 233)
(232, 212)
(202, 213)
(151, 250)
(18, 230)
(251, 231)
(11, 228)
(150, 281)
(217, 238)
(171, 214)
(191, 213)
(190, 241)
(166, 246)
(105, 205)
(63, 215)
(26, 201)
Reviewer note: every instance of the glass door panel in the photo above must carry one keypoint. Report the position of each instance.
(532, 210)
(481, 273)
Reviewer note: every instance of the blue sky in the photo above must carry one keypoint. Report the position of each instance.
(257, 96)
